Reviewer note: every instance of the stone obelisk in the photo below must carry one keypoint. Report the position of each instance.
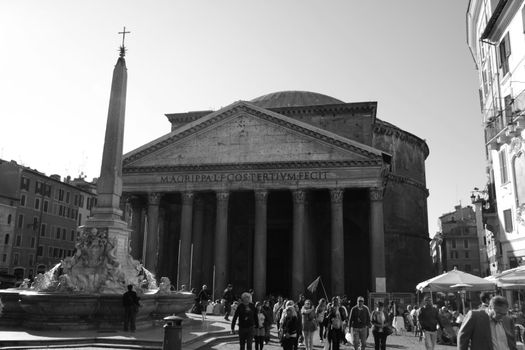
(106, 225)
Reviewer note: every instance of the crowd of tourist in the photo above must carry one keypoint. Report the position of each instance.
(336, 321)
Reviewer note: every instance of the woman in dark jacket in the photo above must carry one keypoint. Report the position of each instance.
(380, 326)
(290, 329)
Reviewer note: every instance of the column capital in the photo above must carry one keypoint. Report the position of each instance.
(299, 196)
(135, 201)
(222, 196)
(376, 193)
(154, 198)
(198, 202)
(336, 195)
(261, 196)
(187, 197)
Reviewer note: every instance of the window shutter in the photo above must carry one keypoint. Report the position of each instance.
(507, 45)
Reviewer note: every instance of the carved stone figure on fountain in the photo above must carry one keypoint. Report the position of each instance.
(164, 286)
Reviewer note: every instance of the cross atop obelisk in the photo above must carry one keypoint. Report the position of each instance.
(122, 47)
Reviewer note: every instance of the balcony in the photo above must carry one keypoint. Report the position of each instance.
(507, 123)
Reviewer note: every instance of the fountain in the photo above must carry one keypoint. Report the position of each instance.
(84, 291)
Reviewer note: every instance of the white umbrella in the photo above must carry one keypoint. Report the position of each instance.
(447, 280)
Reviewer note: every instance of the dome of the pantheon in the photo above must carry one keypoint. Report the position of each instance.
(293, 99)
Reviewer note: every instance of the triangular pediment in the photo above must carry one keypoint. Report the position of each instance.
(243, 133)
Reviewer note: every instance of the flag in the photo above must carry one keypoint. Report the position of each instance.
(313, 286)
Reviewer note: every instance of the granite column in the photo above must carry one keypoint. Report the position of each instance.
(298, 243)
(185, 239)
(221, 242)
(377, 240)
(337, 242)
(152, 245)
(260, 245)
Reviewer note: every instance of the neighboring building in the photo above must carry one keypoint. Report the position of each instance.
(282, 189)
(45, 214)
(460, 246)
(495, 35)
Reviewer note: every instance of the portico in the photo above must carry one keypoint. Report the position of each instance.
(251, 197)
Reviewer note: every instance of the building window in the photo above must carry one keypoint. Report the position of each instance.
(20, 221)
(507, 217)
(31, 260)
(465, 243)
(79, 219)
(23, 200)
(75, 200)
(504, 54)
(35, 223)
(9, 218)
(32, 242)
(64, 234)
(15, 259)
(46, 206)
(72, 235)
(503, 167)
(6, 239)
(81, 201)
(43, 230)
(61, 195)
(467, 255)
(58, 233)
(18, 241)
(4, 258)
(39, 187)
(453, 242)
(55, 252)
(67, 197)
(47, 190)
(39, 251)
(50, 252)
(24, 183)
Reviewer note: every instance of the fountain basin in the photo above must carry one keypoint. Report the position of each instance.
(71, 311)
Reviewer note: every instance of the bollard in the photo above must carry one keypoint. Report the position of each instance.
(172, 333)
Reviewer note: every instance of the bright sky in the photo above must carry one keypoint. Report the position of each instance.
(410, 56)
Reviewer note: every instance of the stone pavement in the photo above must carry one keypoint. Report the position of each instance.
(212, 334)
(407, 341)
(195, 335)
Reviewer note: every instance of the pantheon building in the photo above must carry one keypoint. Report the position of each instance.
(271, 193)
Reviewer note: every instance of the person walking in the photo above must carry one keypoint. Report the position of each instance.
(131, 304)
(429, 320)
(335, 318)
(290, 329)
(488, 329)
(204, 298)
(380, 326)
(229, 298)
(309, 324)
(260, 331)
(247, 316)
(320, 313)
(359, 322)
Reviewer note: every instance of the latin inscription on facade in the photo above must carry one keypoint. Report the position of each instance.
(259, 177)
